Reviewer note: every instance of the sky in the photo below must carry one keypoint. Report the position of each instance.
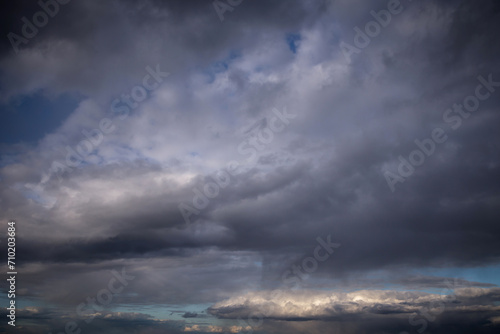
(250, 166)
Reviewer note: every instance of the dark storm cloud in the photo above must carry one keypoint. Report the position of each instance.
(90, 49)
(322, 175)
(292, 197)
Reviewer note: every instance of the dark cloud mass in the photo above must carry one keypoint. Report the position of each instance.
(205, 156)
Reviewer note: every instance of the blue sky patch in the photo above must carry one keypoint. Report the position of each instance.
(293, 41)
(29, 118)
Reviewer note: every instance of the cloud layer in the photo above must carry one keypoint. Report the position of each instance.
(262, 138)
